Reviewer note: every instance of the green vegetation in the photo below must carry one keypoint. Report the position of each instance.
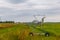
(20, 31)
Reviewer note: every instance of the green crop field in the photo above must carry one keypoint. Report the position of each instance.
(20, 31)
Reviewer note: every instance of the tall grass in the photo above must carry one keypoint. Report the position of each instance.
(21, 32)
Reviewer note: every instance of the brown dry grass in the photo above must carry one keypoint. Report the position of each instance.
(24, 34)
(4, 25)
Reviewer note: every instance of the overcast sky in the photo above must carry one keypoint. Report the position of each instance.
(22, 10)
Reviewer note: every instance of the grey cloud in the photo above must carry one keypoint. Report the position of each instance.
(9, 11)
(11, 14)
(16, 1)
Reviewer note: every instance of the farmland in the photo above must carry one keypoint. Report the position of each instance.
(20, 31)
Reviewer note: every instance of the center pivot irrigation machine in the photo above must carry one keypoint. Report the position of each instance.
(37, 22)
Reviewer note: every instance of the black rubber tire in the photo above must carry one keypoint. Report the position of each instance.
(47, 34)
(31, 34)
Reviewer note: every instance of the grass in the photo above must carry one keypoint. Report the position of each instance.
(21, 31)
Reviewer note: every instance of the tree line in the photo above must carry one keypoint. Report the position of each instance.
(6, 21)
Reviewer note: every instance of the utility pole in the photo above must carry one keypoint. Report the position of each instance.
(42, 21)
(39, 21)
